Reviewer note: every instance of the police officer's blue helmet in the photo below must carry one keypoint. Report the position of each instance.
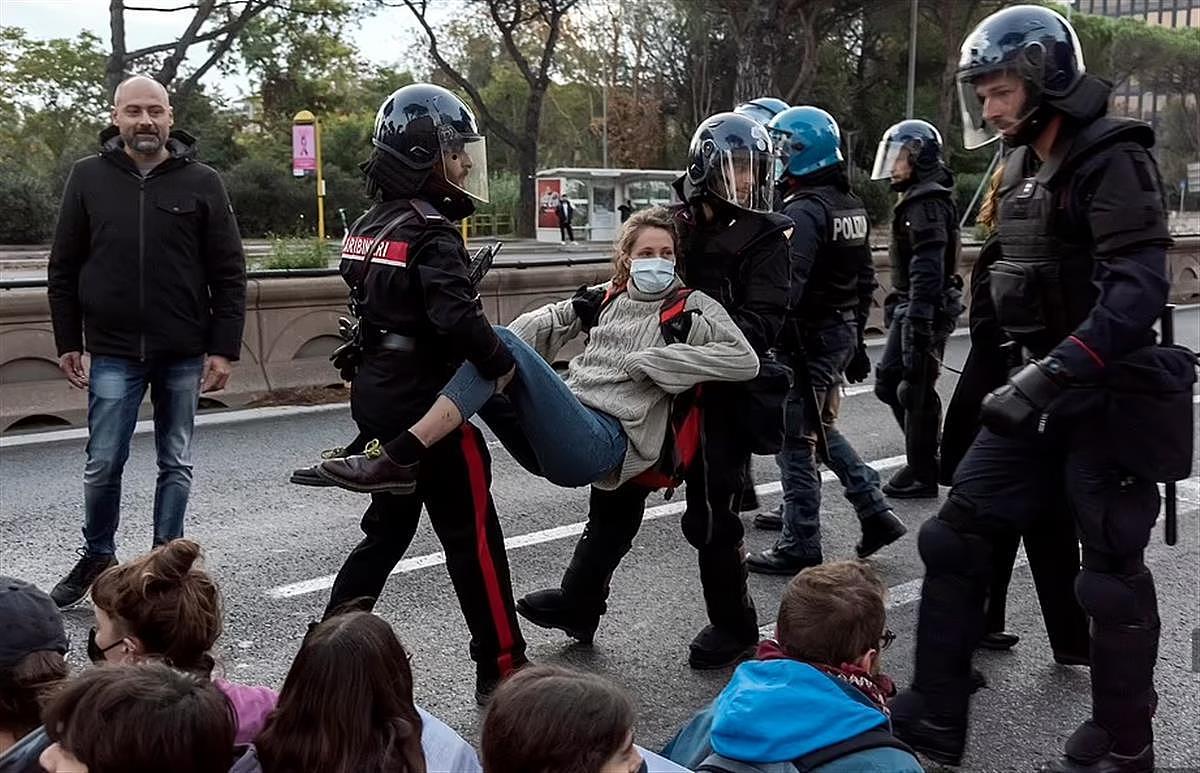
(807, 140)
(761, 109)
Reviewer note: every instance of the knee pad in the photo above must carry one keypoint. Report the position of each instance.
(952, 543)
(1118, 599)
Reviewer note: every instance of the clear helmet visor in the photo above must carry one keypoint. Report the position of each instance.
(893, 159)
(745, 178)
(464, 162)
(995, 104)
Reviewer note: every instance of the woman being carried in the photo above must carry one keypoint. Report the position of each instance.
(606, 422)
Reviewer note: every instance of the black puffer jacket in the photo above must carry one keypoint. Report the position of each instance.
(151, 266)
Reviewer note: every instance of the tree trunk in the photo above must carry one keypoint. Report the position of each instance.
(757, 41)
(527, 189)
(114, 70)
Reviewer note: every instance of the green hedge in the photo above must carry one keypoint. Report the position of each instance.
(28, 205)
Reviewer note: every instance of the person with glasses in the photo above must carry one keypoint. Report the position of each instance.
(815, 698)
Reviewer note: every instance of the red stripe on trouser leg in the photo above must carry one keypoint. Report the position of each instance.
(477, 477)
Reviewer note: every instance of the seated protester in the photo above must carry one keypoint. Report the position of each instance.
(161, 606)
(347, 707)
(607, 421)
(32, 645)
(549, 719)
(139, 718)
(815, 698)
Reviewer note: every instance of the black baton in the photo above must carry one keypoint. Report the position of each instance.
(1170, 517)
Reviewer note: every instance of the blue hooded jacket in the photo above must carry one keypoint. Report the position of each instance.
(775, 711)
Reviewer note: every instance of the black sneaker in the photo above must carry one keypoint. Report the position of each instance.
(71, 589)
(551, 609)
(715, 648)
(879, 531)
(771, 520)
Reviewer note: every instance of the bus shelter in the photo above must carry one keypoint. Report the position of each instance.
(596, 196)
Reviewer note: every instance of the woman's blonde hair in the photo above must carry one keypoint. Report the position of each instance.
(987, 210)
(653, 217)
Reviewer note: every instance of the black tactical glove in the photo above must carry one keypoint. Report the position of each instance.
(1020, 405)
(860, 366)
(920, 344)
(347, 357)
(586, 304)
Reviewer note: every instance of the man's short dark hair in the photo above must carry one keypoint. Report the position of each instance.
(548, 719)
(143, 718)
(832, 613)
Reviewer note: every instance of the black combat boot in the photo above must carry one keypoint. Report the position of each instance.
(551, 608)
(879, 531)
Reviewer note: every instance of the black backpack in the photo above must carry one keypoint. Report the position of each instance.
(880, 737)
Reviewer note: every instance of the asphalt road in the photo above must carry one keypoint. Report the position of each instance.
(273, 548)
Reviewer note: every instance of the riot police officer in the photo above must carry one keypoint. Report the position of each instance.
(761, 110)
(832, 283)
(734, 248)
(419, 317)
(926, 296)
(1080, 282)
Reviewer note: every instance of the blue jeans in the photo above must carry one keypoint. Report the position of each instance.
(117, 386)
(812, 408)
(570, 444)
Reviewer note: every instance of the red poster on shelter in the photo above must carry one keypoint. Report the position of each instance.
(548, 191)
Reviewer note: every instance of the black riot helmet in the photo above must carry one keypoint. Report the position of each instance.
(730, 160)
(1023, 44)
(426, 137)
(762, 109)
(914, 143)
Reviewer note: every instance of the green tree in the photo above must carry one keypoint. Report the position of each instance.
(529, 34)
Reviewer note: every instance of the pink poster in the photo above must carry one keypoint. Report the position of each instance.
(304, 149)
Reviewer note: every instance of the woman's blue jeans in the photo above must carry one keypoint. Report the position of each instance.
(571, 444)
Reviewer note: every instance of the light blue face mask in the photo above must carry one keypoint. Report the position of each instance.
(651, 275)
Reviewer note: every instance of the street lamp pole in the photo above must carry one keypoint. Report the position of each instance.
(604, 137)
(912, 58)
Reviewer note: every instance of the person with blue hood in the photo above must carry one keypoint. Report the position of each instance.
(814, 699)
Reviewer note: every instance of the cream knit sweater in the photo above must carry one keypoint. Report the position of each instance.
(628, 370)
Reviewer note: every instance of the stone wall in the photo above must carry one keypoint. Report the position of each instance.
(291, 327)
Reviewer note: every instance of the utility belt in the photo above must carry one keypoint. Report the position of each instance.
(376, 338)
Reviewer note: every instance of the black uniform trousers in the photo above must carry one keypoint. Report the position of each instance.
(1051, 544)
(922, 427)
(1002, 485)
(453, 485)
(710, 523)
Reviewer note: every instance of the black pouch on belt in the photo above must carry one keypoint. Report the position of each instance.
(1148, 411)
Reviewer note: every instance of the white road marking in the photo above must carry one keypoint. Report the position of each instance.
(202, 420)
(315, 584)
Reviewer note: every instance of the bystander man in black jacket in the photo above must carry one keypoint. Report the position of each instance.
(147, 276)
